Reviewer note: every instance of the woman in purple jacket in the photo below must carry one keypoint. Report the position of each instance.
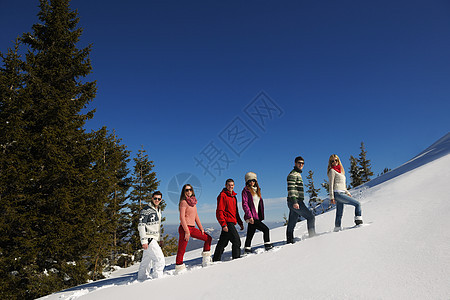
(253, 206)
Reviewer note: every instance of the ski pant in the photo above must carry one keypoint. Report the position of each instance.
(225, 237)
(251, 229)
(341, 199)
(153, 254)
(182, 243)
(293, 218)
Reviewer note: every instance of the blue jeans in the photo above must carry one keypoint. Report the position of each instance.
(341, 199)
(293, 217)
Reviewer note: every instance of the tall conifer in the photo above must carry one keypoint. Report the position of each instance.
(111, 172)
(364, 165)
(360, 169)
(312, 191)
(14, 158)
(355, 173)
(54, 195)
(117, 158)
(144, 184)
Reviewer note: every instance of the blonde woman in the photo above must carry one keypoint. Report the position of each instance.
(339, 194)
(188, 219)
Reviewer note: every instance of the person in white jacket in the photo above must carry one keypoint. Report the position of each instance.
(339, 194)
(149, 228)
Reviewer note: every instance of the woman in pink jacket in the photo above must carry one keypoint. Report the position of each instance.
(188, 219)
(253, 206)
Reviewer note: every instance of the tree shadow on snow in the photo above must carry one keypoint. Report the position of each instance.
(124, 279)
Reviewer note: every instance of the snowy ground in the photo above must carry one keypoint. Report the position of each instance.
(402, 251)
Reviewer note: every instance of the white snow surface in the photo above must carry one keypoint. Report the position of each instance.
(401, 252)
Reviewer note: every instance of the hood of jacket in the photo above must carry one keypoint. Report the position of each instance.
(231, 194)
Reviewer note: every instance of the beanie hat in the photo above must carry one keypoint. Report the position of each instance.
(250, 176)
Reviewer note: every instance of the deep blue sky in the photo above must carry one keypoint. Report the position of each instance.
(173, 76)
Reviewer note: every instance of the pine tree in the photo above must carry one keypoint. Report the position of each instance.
(144, 184)
(65, 195)
(50, 181)
(118, 199)
(312, 191)
(355, 173)
(364, 165)
(13, 169)
(360, 169)
(112, 171)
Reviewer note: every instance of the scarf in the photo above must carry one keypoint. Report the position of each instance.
(252, 189)
(298, 170)
(337, 168)
(192, 201)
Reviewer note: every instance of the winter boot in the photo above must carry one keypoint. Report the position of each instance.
(358, 220)
(289, 238)
(337, 229)
(179, 269)
(206, 261)
(248, 250)
(268, 246)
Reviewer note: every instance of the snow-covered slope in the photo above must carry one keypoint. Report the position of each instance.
(439, 149)
(403, 252)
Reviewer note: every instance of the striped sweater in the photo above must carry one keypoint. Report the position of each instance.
(295, 186)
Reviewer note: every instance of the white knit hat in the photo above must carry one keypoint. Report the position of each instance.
(250, 176)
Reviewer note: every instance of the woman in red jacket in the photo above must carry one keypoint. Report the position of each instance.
(227, 215)
(253, 206)
(188, 219)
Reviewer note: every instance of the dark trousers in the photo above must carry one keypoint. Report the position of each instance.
(293, 218)
(251, 229)
(225, 237)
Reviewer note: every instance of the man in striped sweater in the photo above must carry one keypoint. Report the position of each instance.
(295, 202)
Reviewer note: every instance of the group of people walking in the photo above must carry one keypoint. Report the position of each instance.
(227, 214)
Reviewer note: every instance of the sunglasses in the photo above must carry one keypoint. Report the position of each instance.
(301, 162)
(188, 189)
(252, 180)
(335, 160)
(157, 199)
